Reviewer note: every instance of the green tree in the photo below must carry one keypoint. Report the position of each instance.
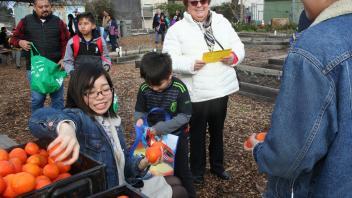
(97, 7)
(170, 8)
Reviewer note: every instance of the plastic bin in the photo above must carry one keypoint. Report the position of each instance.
(88, 178)
(114, 192)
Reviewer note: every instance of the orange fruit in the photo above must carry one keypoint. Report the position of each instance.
(42, 181)
(51, 171)
(43, 152)
(53, 149)
(9, 192)
(247, 145)
(62, 176)
(260, 136)
(31, 148)
(17, 164)
(42, 177)
(62, 167)
(34, 159)
(122, 196)
(159, 144)
(4, 155)
(6, 168)
(20, 153)
(23, 182)
(33, 169)
(2, 185)
(153, 154)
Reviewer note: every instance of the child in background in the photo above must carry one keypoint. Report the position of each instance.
(87, 46)
(162, 90)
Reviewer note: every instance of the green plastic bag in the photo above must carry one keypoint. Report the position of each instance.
(47, 77)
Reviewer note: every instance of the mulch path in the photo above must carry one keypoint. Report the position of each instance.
(245, 115)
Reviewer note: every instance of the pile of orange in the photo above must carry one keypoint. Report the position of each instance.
(28, 169)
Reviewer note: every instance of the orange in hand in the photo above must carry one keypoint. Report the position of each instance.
(153, 154)
(261, 136)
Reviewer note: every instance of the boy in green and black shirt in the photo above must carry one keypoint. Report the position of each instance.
(162, 90)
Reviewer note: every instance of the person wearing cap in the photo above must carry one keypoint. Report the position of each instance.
(209, 84)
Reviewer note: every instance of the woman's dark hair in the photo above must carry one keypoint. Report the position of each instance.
(185, 2)
(86, 15)
(70, 17)
(81, 81)
(155, 67)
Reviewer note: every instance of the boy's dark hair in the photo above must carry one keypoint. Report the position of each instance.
(81, 81)
(86, 15)
(155, 67)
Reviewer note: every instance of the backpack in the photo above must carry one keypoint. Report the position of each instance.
(76, 44)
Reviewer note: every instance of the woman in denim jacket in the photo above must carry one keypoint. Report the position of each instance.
(307, 152)
(89, 124)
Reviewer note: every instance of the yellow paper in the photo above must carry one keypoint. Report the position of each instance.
(215, 56)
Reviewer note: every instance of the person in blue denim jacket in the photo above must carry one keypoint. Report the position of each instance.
(89, 124)
(307, 151)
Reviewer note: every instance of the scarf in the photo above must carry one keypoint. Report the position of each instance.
(207, 30)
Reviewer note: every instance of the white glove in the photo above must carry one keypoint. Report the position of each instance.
(68, 143)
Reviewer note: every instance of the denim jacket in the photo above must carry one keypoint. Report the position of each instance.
(308, 149)
(92, 139)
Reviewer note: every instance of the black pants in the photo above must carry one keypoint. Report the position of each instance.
(210, 113)
(181, 168)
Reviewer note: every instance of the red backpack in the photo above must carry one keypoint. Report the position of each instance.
(76, 43)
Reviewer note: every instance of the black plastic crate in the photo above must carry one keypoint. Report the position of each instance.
(88, 178)
(114, 192)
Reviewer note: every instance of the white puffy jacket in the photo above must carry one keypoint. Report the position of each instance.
(185, 43)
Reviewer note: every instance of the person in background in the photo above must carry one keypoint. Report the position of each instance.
(71, 25)
(306, 152)
(16, 52)
(49, 34)
(209, 84)
(162, 26)
(156, 25)
(176, 17)
(91, 46)
(162, 90)
(4, 41)
(110, 24)
(90, 124)
(105, 23)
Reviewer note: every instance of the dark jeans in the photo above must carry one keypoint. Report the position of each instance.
(212, 113)
(181, 168)
(38, 99)
(113, 42)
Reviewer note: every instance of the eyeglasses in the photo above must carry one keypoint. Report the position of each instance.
(95, 94)
(195, 3)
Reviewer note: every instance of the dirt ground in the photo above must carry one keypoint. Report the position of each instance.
(245, 115)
